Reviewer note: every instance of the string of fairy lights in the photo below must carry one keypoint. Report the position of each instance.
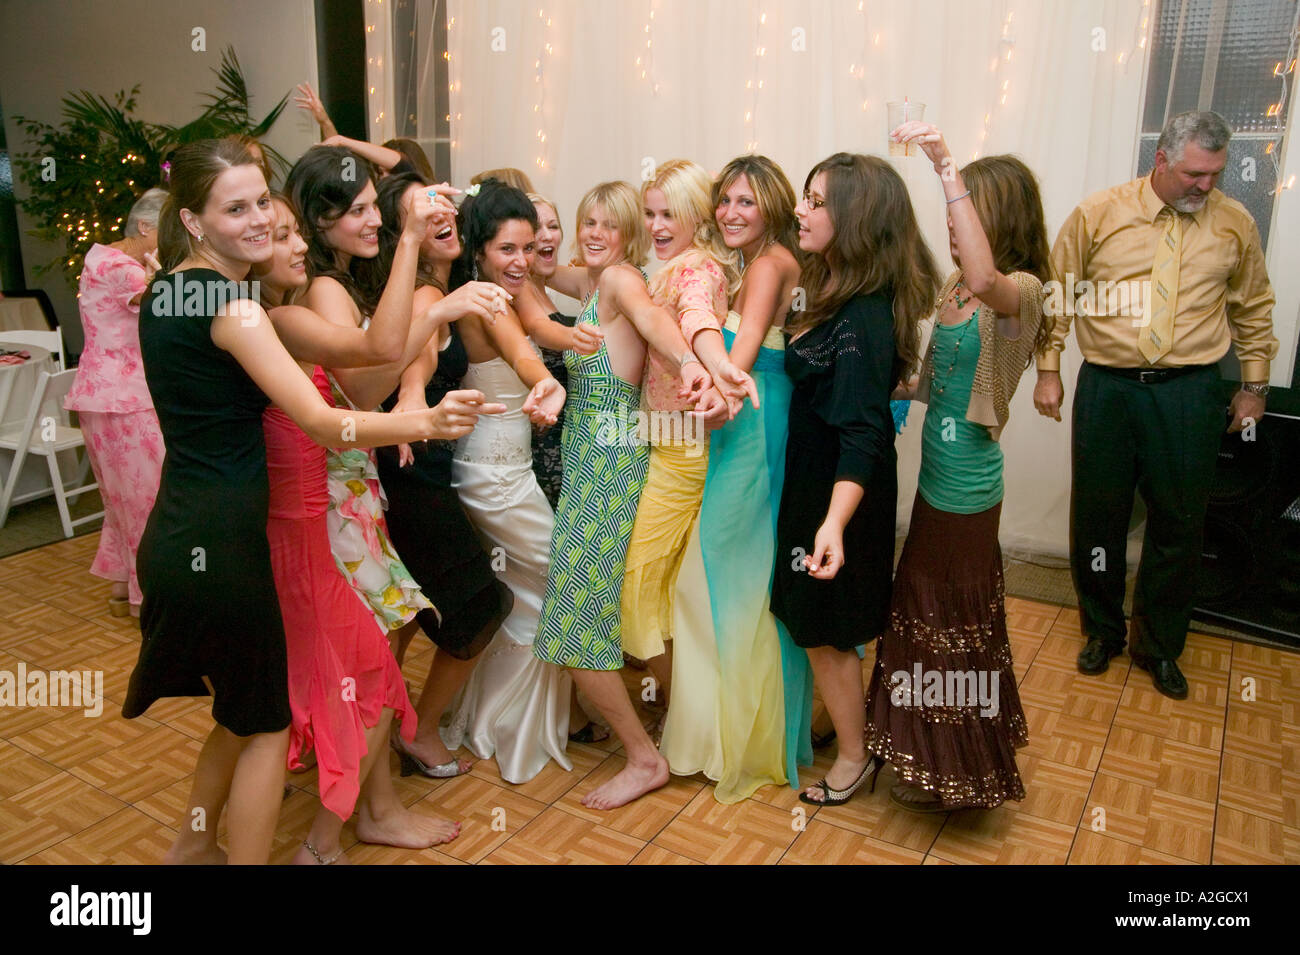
(539, 67)
(376, 43)
(857, 70)
(1273, 149)
(645, 62)
(754, 84)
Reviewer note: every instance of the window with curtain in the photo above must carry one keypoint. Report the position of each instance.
(1236, 57)
(420, 96)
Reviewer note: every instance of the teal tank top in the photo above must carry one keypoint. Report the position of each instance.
(961, 464)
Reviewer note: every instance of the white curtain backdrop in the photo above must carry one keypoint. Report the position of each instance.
(575, 92)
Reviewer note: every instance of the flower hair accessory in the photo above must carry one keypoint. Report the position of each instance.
(166, 168)
(473, 190)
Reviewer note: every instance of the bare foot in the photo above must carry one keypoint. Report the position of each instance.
(632, 781)
(199, 854)
(432, 752)
(333, 856)
(404, 829)
(843, 774)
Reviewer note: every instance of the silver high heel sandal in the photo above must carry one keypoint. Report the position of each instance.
(413, 765)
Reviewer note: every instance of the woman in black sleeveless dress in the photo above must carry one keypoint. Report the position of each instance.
(210, 617)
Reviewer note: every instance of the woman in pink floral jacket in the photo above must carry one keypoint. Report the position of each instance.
(112, 400)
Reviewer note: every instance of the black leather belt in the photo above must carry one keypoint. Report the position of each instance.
(1152, 376)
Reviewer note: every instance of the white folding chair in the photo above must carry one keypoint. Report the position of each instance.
(43, 432)
(50, 341)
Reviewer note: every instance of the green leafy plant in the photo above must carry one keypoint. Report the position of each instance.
(83, 176)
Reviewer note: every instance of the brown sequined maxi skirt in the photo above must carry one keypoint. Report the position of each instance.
(942, 705)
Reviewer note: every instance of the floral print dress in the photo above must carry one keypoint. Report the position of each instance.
(358, 534)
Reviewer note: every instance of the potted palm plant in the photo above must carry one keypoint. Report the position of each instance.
(83, 175)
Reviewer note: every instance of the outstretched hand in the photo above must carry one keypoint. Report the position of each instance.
(545, 402)
(486, 300)
(735, 385)
(587, 338)
(458, 411)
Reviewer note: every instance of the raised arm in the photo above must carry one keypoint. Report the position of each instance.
(381, 156)
(308, 100)
(979, 271)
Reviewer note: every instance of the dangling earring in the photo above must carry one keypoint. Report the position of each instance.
(473, 269)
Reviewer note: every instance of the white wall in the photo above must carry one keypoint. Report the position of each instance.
(49, 48)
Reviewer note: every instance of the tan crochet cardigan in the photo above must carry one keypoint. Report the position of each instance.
(1002, 360)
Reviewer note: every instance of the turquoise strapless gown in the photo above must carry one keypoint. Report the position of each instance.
(742, 691)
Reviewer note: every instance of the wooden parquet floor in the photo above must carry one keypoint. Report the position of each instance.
(1114, 772)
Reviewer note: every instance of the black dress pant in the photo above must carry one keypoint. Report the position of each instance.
(1162, 439)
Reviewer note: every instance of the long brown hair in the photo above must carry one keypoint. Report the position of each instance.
(877, 247)
(1010, 208)
(322, 185)
(773, 195)
(194, 170)
(413, 154)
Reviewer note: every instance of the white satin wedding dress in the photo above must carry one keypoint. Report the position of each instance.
(514, 706)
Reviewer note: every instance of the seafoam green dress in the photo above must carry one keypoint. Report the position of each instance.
(604, 472)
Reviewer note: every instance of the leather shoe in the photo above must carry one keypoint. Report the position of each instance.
(1165, 676)
(1095, 657)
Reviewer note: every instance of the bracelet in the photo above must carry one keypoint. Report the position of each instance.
(958, 198)
(686, 361)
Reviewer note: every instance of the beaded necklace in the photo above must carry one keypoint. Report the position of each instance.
(956, 349)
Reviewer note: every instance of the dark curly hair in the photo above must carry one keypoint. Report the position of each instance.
(481, 217)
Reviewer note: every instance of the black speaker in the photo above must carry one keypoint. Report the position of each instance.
(1250, 560)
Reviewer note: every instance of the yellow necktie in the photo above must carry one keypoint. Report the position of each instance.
(1157, 338)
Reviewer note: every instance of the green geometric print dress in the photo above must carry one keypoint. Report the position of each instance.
(604, 472)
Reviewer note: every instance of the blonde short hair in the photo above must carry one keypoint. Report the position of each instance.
(619, 200)
(507, 174)
(539, 200)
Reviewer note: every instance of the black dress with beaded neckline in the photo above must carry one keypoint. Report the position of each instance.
(841, 428)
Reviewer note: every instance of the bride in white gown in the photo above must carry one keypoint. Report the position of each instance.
(514, 707)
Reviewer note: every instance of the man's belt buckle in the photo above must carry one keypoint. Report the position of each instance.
(1149, 375)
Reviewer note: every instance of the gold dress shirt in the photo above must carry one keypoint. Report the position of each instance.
(1101, 271)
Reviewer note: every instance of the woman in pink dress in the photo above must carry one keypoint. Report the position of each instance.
(345, 687)
(112, 400)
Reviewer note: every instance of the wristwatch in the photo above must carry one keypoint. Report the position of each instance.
(1259, 391)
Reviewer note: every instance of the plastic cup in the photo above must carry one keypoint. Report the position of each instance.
(900, 113)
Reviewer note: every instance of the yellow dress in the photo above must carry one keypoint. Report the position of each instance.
(693, 288)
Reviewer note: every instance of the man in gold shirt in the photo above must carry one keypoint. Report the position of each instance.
(1160, 275)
